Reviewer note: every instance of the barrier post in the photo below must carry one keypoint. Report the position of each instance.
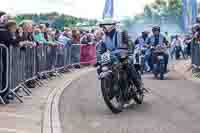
(4, 70)
(196, 56)
(21, 65)
(75, 54)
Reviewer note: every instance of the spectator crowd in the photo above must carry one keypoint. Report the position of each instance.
(28, 34)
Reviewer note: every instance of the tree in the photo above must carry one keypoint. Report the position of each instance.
(175, 7)
(60, 20)
(148, 12)
(170, 9)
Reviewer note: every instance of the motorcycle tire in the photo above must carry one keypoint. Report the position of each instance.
(162, 71)
(155, 71)
(155, 75)
(139, 97)
(142, 66)
(105, 88)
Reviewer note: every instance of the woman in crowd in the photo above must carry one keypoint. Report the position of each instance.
(76, 36)
(98, 36)
(50, 36)
(39, 37)
(84, 39)
(28, 30)
(27, 39)
(20, 33)
(57, 34)
(43, 29)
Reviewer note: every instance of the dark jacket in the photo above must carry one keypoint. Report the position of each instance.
(24, 37)
(6, 37)
(46, 36)
(28, 37)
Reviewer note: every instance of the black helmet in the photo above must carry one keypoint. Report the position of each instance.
(196, 27)
(2, 13)
(156, 28)
(198, 19)
(145, 32)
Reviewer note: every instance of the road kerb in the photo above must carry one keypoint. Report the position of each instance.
(51, 118)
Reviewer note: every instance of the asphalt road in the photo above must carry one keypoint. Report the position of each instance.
(172, 106)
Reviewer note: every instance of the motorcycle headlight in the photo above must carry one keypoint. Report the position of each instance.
(160, 57)
(105, 68)
(98, 67)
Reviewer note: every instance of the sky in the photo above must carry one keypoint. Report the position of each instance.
(79, 8)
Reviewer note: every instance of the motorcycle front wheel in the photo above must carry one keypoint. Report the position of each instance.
(139, 96)
(162, 71)
(106, 88)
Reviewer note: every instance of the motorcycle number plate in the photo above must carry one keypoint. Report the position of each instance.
(105, 57)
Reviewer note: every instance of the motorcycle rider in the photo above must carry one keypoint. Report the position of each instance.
(115, 42)
(158, 39)
(141, 42)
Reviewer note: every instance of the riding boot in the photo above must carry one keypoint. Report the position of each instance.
(166, 58)
(135, 77)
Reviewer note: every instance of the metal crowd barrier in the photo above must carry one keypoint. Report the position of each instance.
(98, 52)
(4, 70)
(195, 55)
(75, 54)
(25, 64)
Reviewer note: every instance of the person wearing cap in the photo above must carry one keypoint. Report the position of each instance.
(142, 40)
(158, 39)
(115, 42)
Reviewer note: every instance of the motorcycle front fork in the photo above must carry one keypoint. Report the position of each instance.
(157, 67)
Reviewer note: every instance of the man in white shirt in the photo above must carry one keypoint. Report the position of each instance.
(176, 46)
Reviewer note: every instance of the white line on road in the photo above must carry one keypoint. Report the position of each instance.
(3, 130)
(17, 116)
(51, 118)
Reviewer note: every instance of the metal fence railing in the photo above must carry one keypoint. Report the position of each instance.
(196, 56)
(19, 65)
(4, 70)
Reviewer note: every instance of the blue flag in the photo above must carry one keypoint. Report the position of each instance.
(184, 15)
(194, 11)
(108, 9)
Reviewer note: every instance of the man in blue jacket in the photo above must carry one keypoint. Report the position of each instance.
(114, 41)
(158, 39)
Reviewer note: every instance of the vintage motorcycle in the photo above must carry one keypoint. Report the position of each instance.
(139, 59)
(158, 61)
(117, 88)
